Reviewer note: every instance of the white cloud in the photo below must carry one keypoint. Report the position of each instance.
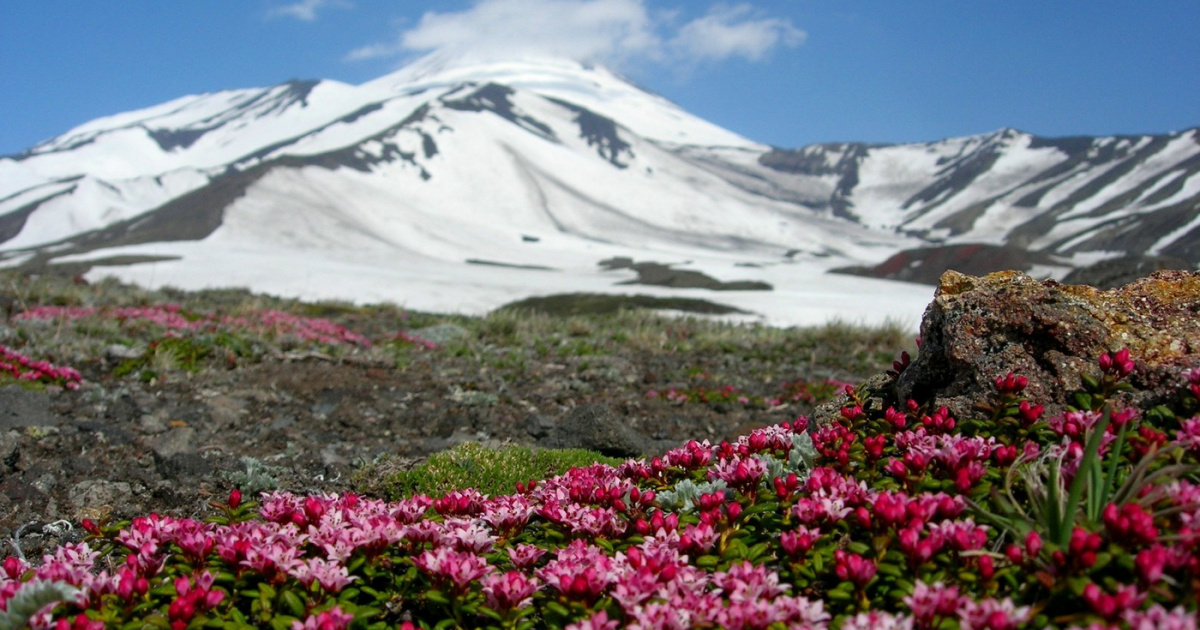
(615, 32)
(732, 32)
(306, 10)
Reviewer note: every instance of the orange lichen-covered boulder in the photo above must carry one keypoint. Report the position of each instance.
(978, 329)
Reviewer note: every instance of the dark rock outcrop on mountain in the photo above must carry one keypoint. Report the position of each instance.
(979, 329)
(1110, 274)
(927, 264)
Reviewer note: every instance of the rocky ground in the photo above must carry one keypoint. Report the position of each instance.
(170, 434)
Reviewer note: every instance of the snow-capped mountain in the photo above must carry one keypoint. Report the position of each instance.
(460, 187)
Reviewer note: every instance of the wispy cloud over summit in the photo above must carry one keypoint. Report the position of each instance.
(609, 31)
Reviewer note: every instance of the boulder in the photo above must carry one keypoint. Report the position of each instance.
(596, 428)
(979, 329)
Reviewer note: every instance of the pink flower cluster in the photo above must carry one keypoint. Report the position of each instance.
(24, 368)
(173, 318)
(755, 549)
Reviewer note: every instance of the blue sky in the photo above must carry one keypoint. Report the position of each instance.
(783, 72)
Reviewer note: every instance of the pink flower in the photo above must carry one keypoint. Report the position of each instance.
(598, 621)
(460, 568)
(1150, 563)
(524, 556)
(507, 591)
(581, 572)
(991, 614)
(1127, 598)
(331, 575)
(746, 582)
(853, 568)
(797, 543)
(332, 619)
(1130, 523)
(742, 473)
(1119, 364)
(875, 620)
(1159, 618)
(1011, 384)
(930, 602)
(1188, 434)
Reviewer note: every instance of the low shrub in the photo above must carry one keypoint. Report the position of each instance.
(901, 517)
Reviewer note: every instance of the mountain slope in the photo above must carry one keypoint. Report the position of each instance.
(451, 187)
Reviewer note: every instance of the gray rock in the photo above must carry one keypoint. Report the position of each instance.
(174, 442)
(597, 428)
(95, 493)
(980, 329)
(21, 408)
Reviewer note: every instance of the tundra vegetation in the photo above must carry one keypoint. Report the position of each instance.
(896, 516)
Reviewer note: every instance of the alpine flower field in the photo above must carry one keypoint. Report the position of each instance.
(902, 517)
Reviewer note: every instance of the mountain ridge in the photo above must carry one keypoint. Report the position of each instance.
(520, 162)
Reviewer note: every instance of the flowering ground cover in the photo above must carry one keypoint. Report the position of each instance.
(17, 366)
(165, 420)
(897, 517)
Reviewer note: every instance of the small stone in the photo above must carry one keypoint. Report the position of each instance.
(97, 494)
(174, 442)
(20, 407)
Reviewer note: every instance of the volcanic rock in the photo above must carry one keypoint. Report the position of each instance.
(597, 428)
(979, 329)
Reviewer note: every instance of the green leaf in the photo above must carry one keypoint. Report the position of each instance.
(757, 551)
(736, 550)
(282, 622)
(708, 562)
(839, 593)
(437, 597)
(292, 603)
(765, 506)
(887, 568)
(859, 547)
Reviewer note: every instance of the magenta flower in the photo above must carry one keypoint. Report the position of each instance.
(930, 602)
(1151, 563)
(991, 614)
(581, 572)
(331, 575)
(797, 543)
(1011, 384)
(1158, 618)
(889, 508)
(524, 556)
(1118, 364)
(1188, 435)
(598, 621)
(746, 582)
(876, 620)
(332, 619)
(1112, 606)
(853, 568)
(458, 567)
(508, 591)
